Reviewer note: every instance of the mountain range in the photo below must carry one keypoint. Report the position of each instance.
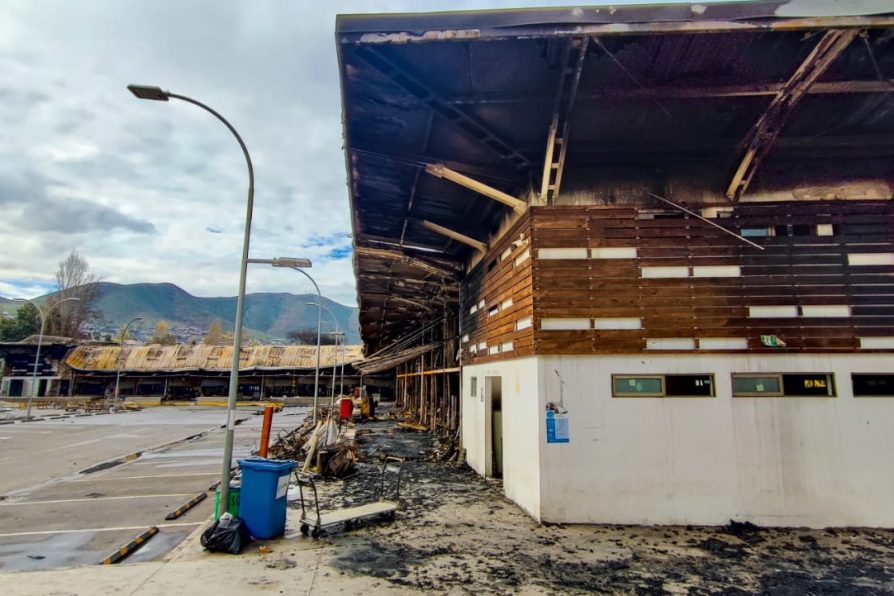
(267, 315)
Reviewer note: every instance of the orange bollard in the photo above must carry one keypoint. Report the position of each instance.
(265, 431)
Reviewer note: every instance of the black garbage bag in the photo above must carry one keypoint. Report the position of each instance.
(226, 535)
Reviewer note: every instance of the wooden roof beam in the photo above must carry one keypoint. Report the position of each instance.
(453, 235)
(394, 255)
(442, 171)
(766, 130)
(412, 84)
(686, 92)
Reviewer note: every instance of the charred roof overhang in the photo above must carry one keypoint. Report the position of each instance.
(481, 93)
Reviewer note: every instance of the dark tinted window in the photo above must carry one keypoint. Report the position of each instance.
(689, 385)
(809, 385)
(873, 385)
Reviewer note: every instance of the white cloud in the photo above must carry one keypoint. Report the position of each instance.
(136, 186)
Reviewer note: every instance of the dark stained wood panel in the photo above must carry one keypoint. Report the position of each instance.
(798, 268)
(493, 281)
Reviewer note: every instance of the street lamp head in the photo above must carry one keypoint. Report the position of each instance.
(148, 92)
(291, 262)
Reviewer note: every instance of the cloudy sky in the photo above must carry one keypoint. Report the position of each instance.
(155, 192)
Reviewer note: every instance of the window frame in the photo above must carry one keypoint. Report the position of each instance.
(662, 379)
(832, 389)
(634, 394)
(863, 395)
(777, 376)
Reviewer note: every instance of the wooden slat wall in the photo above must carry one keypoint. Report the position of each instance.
(494, 280)
(802, 270)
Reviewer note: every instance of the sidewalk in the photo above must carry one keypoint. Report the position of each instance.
(455, 533)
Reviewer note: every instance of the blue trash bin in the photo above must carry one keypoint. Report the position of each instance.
(262, 501)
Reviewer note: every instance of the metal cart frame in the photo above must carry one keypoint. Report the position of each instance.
(317, 522)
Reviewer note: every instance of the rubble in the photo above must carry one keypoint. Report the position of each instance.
(455, 530)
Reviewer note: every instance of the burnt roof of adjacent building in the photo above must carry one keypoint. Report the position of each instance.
(669, 84)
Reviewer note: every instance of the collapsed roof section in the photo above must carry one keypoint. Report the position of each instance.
(453, 121)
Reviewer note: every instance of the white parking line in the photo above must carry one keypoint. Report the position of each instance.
(142, 477)
(119, 529)
(53, 502)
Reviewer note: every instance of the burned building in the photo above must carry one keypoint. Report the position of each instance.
(641, 256)
(17, 362)
(202, 372)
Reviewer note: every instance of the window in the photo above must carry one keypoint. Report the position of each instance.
(689, 385)
(784, 385)
(873, 385)
(637, 386)
(793, 230)
(474, 386)
(757, 385)
(663, 385)
(757, 232)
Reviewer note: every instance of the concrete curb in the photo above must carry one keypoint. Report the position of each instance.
(130, 547)
(117, 461)
(187, 506)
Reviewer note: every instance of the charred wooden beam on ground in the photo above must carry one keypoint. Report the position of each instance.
(765, 131)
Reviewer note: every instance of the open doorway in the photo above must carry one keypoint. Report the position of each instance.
(493, 391)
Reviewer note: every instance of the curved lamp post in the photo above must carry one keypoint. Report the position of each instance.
(43, 326)
(299, 265)
(121, 350)
(337, 333)
(157, 94)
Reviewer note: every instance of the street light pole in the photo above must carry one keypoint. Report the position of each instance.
(299, 265)
(43, 326)
(120, 351)
(334, 363)
(157, 94)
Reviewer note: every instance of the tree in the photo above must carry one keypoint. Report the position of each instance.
(25, 323)
(73, 280)
(215, 335)
(308, 337)
(162, 335)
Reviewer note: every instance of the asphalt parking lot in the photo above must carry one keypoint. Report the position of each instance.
(52, 514)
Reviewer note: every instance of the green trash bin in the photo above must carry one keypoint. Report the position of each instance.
(232, 497)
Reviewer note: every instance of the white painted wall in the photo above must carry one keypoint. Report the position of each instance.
(522, 432)
(774, 461)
